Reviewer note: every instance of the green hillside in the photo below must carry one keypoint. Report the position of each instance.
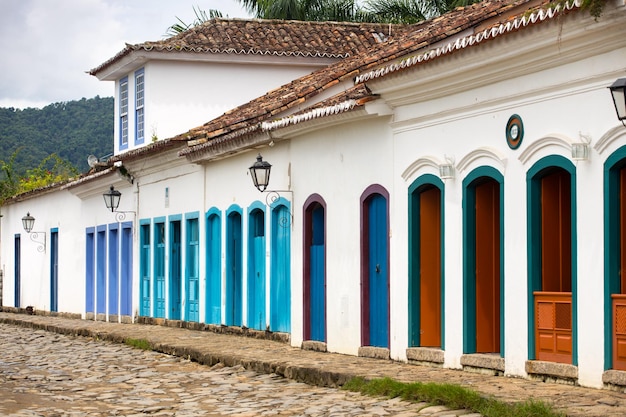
(73, 130)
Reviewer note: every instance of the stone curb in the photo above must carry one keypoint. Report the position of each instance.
(308, 375)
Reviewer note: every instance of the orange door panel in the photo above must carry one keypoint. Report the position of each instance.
(487, 267)
(430, 268)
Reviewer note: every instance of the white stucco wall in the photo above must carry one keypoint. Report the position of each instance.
(181, 95)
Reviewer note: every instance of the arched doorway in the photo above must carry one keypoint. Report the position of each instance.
(552, 275)
(375, 267)
(315, 269)
(483, 269)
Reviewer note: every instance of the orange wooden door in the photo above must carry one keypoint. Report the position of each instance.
(554, 315)
(619, 300)
(487, 196)
(556, 235)
(622, 226)
(430, 267)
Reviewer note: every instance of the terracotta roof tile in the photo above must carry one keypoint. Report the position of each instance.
(269, 37)
(247, 117)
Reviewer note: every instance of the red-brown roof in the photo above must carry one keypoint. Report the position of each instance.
(269, 37)
(486, 16)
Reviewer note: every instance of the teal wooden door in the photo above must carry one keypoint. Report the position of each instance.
(175, 281)
(214, 270)
(192, 271)
(256, 270)
(144, 269)
(233, 269)
(159, 270)
(280, 276)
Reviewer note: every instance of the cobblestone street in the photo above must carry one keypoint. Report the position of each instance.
(47, 374)
(45, 366)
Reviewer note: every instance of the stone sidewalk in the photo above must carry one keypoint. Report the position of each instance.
(323, 369)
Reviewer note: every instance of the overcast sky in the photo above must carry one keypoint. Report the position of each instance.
(48, 45)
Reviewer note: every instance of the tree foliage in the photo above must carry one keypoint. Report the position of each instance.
(72, 130)
(44, 146)
(381, 11)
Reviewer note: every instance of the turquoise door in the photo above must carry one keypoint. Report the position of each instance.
(175, 281)
(192, 271)
(256, 270)
(54, 270)
(280, 277)
(214, 269)
(159, 270)
(144, 268)
(376, 276)
(234, 275)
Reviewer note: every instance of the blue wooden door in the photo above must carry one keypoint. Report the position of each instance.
(126, 271)
(144, 266)
(214, 270)
(89, 269)
(101, 268)
(192, 271)
(113, 277)
(54, 270)
(18, 269)
(159, 270)
(175, 284)
(280, 276)
(377, 274)
(256, 270)
(233, 270)
(317, 276)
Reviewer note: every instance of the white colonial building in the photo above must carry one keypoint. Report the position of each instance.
(453, 195)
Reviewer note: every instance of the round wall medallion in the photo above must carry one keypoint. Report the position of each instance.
(514, 131)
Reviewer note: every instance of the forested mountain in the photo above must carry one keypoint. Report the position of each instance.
(73, 130)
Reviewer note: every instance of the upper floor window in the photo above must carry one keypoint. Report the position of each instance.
(124, 113)
(139, 106)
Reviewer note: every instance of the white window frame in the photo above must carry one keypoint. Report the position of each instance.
(139, 106)
(123, 106)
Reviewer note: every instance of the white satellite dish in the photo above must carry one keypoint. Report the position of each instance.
(92, 160)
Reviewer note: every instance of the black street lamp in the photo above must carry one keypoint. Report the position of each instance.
(618, 91)
(112, 199)
(260, 172)
(28, 222)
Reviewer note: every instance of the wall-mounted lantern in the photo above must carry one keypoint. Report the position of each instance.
(28, 222)
(618, 92)
(260, 173)
(446, 169)
(112, 201)
(581, 150)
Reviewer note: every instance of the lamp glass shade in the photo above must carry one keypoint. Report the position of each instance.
(618, 91)
(28, 222)
(112, 199)
(260, 173)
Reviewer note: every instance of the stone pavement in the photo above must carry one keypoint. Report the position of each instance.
(323, 369)
(53, 375)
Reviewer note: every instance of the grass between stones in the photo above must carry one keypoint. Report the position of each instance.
(452, 396)
(138, 343)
